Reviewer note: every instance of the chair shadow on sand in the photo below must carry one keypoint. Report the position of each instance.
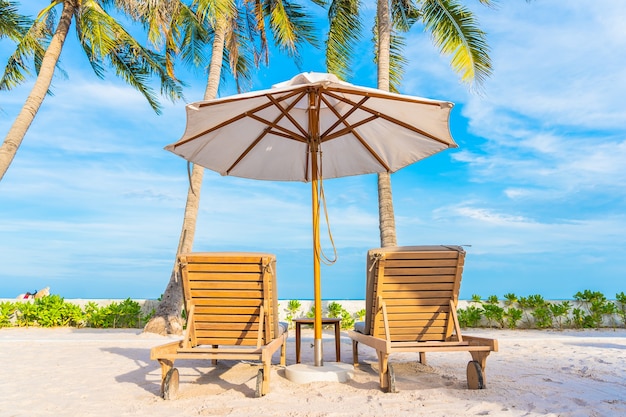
(201, 377)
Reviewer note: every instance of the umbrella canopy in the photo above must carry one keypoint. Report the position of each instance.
(311, 127)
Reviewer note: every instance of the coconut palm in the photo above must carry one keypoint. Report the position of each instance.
(454, 31)
(104, 41)
(238, 31)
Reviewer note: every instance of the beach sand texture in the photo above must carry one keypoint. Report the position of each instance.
(92, 372)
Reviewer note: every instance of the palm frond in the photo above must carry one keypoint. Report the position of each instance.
(455, 32)
(192, 40)
(343, 35)
(212, 10)
(404, 14)
(290, 26)
(13, 25)
(33, 45)
(104, 39)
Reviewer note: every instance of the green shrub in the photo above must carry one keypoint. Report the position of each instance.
(559, 312)
(493, 312)
(470, 316)
(621, 311)
(336, 310)
(597, 307)
(292, 309)
(513, 315)
(48, 311)
(26, 313)
(7, 312)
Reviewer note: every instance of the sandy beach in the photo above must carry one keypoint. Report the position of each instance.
(89, 372)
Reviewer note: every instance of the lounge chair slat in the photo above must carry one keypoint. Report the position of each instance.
(220, 268)
(420, 271)
(228, 302)
(410, 279)
(420, 263)
(420, 286)
(247, 310)
(226, 294)
(212, 326)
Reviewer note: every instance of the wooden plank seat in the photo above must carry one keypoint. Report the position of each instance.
(411, 301)
(232, 314)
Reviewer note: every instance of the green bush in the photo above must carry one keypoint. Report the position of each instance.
(513, 316)
(597, 308)
(126, 314)
(54, 311)
(336, 310)
(7, 312)
(293, 306)
(470, 316)
(621, 311)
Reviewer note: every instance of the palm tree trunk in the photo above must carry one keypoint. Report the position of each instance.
(20, 126)
(387, 223)
(167, 318)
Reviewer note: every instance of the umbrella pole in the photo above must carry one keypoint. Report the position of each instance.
(317, 290)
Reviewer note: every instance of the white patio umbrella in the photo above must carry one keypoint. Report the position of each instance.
(309, 128)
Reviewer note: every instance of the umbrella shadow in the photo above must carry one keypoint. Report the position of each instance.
(147, 375)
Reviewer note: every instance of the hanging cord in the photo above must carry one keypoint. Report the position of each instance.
(376, 257)
(322, 200)
(189, 177)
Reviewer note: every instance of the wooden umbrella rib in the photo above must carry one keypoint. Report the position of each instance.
(240, 116)
(389, 119)
(372, 151)
(349, 128)
(340, 118)
(270, 126)
(279, 130)
(205, 132)
(248, 149)
(386, 96)
(286, 113)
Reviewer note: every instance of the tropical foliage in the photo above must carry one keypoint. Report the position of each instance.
(54, 311)
(104, 41)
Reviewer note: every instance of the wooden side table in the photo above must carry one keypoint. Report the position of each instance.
(325, 320)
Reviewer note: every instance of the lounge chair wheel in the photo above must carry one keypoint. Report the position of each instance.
(391, 379)
(169, 387)
(475, 378)
(258, 393)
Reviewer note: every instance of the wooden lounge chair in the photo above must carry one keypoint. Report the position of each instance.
(232, 313)
(411, 301)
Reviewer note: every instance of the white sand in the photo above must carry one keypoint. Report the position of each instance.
(86, 372)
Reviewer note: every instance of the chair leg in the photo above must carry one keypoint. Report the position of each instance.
(267, 367)
(166, 365)
(423, 358)
(355, 353)
(214, 361)
(481, 358)
(383, 362)
(283, 353)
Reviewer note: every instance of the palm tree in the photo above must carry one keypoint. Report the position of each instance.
(454, 31)
(238, 29)
(104, 41)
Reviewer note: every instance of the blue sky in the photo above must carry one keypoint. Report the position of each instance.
(92, 205)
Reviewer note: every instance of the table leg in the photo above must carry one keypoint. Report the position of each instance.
(337, 342)
(298, 330)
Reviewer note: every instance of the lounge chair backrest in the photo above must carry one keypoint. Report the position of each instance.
(225, 294)
(419, 286)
